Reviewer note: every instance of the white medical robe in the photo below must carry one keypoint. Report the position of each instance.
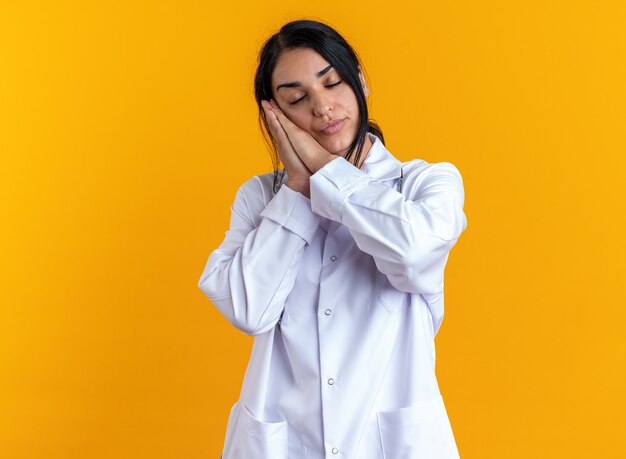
(343, 293)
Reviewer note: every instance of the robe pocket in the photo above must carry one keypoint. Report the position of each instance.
(422, 431)
(260, 439)
(389, 296)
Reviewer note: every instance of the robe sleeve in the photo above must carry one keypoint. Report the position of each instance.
(409, 236)
(249, 276)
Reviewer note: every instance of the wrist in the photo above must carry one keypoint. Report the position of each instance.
(323, 161)
(301, 186)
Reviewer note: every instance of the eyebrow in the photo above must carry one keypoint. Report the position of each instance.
(294, 84)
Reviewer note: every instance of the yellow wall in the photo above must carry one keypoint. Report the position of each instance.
(127, 126)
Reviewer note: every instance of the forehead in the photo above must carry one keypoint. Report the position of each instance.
(298, 64)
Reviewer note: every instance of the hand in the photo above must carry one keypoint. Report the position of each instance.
(312, 154)
(297, 172)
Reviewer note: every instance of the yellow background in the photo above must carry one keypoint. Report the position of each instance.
(127, 126)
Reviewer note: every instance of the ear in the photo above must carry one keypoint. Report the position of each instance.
(366, 90)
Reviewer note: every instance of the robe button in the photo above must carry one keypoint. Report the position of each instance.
(331, 381)
(327, 312)
(335, 450)
(333, 258)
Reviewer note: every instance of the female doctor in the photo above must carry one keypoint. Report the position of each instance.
(335, 266)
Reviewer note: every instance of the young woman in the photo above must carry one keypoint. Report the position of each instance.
(335, 266)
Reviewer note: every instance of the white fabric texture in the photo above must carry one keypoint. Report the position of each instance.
(344, 294)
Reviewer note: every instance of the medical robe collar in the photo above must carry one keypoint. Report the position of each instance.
(379, 162)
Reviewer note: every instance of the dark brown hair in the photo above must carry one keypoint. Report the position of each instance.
(332, 47)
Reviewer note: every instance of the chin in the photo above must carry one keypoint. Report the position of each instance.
(337, 146)
(338, 149)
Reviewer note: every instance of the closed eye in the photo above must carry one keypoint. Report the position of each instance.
(329, 86)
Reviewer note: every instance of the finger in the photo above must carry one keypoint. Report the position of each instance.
(277, 129)
(288, 125)
(276, 109)
(272, 119)
(291, 129)
(271, 116)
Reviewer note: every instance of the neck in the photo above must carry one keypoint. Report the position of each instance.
(366, 148)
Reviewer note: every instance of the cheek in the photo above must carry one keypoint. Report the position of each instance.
(301, 120)
(346, 97)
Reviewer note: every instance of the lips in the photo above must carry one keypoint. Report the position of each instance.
(333, 126)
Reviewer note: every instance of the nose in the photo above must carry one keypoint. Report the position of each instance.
(322, 104)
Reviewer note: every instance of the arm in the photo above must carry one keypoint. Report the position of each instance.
(409, 238)
(249, 276)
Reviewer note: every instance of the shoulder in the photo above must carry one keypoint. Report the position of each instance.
(423, 178)
(255, 193)
(263, 184)
(422, 168)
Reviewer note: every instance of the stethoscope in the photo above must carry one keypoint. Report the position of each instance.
(399, 186)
